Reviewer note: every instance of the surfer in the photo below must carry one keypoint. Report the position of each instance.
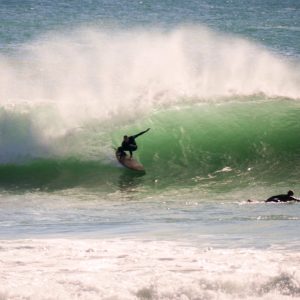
(129, 144)
(283, 198)
(288, 197)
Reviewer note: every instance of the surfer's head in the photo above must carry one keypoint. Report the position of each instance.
(290, 193)
(125, 137)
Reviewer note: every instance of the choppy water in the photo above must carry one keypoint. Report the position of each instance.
(219, 85)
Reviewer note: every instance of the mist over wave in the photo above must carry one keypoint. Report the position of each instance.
(107, 72)
(59, 83)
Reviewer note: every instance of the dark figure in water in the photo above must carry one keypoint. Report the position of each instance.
(129, 144)
(283, 198)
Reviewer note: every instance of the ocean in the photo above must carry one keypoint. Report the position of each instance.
(218, 83)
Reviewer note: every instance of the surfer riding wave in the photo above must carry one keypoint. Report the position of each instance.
(129, 144)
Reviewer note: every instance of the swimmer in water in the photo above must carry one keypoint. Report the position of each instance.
(288, 197)
(283, 198)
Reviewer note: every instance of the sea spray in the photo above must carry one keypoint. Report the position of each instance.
(101, 74)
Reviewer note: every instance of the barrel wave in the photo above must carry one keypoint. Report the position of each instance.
(205, 146)
(223, 111)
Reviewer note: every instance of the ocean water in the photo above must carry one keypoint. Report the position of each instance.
(218, 83)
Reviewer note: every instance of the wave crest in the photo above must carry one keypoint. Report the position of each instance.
(104, 74)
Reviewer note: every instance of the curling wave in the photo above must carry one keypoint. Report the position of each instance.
(218, 106)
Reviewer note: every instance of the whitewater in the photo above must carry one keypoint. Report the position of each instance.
(220, 90)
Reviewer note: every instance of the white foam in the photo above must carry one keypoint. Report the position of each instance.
(131, 269)
(106, 73)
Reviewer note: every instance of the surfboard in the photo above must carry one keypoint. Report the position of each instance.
(130, 163)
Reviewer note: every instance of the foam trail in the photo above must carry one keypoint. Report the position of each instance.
(180, 271)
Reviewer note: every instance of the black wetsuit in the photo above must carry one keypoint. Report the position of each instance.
(282, 198)
(130, 145)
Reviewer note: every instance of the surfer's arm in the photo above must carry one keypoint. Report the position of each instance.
(135, 136)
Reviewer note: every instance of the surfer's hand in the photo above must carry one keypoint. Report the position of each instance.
(148, 129)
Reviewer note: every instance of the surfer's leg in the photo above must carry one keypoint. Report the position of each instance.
(121, 152)
(132, 148)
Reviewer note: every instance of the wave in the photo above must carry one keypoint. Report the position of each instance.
(239, 143)
(217, 105)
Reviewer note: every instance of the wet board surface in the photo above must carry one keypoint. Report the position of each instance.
(130, 163)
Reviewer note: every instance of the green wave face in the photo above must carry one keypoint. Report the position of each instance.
(219, 147)
(204, 139)
(239, 142)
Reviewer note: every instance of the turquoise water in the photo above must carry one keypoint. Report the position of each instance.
(217, 82)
